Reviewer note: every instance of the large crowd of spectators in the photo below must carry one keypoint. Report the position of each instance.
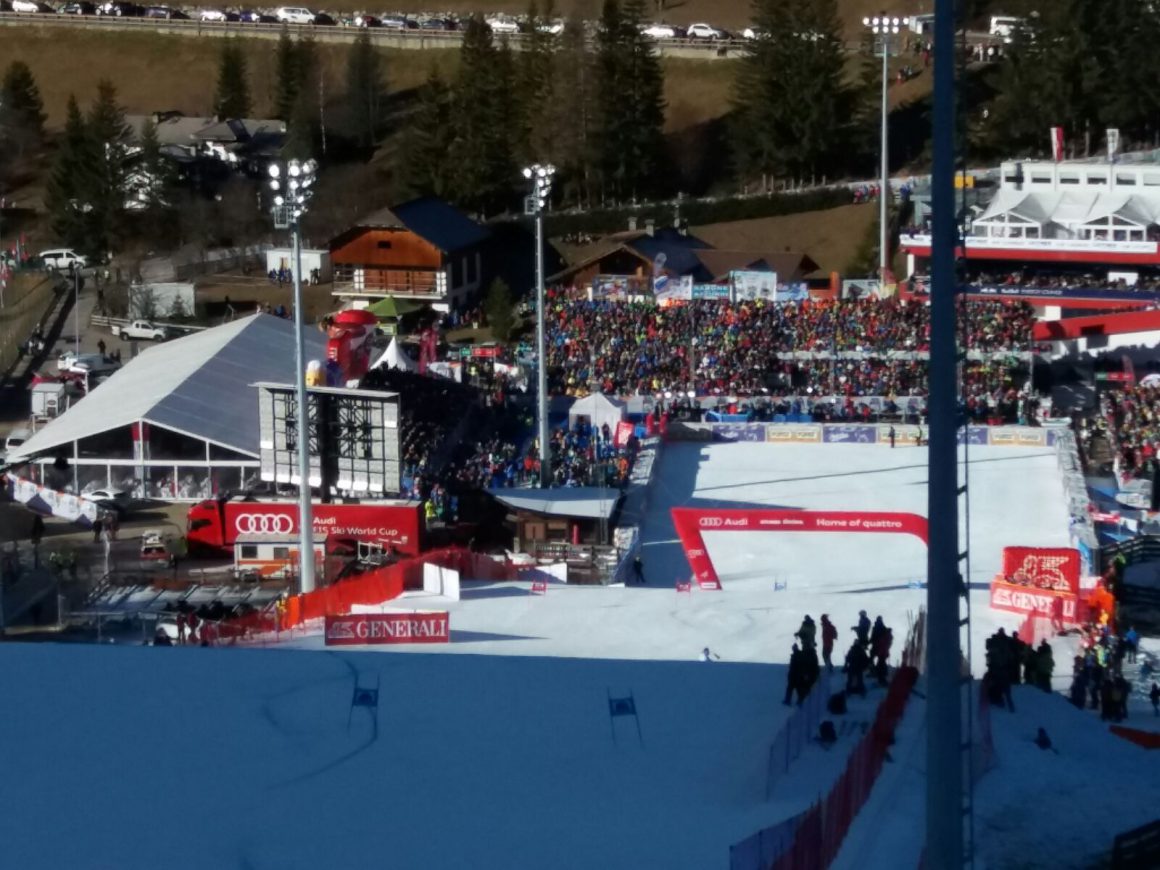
(742, 348)
(1132, 418)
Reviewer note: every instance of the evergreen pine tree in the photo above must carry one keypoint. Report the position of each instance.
(425, 165)
(69, 186)
(536, 90)
(574, 114)
(232, 99)
(20, 99)
(365, 89)
(286, 79)
(499, 306)
(631, 98)
(480, 153)
(156, 174)
(109, 136)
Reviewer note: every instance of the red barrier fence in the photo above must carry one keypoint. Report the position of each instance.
(372, 587)
(825, 825)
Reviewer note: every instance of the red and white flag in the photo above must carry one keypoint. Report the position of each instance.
(1057, 144)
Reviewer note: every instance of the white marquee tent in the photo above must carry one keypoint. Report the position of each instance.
(599, 409)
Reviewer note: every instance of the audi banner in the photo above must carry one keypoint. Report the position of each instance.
(396, 525)
(356, 629)
(1052, 568)
(692, 523)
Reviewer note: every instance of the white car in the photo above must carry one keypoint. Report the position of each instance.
(503, 25)
(142, 330)
(704, 31)
(661, 31)
(753, 33)
(554, 28)
(215, 15)
(13, 442)
(63, 258)
(294, 15)
(27, 6)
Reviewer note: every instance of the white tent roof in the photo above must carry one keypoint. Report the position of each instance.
(598, 408)
(394, 358)
(581, 502)
(200, 385)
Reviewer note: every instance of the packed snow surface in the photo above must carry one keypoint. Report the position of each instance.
(504, 755)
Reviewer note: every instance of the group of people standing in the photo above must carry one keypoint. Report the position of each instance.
(870, 651)
(1097, 673)
(1010, 661)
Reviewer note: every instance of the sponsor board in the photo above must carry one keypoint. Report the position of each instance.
(843, 434)
(975, 436)
(1062, 606)
(783, 433)
(1018, 437)
(356, 629)
(738, 431)
(397, 525)
(1042, 568)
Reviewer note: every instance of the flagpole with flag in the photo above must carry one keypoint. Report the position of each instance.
(1057, 144)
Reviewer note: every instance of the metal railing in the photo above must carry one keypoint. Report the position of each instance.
(112, 323)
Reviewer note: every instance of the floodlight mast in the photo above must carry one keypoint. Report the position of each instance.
(292, 193)
(540, 177)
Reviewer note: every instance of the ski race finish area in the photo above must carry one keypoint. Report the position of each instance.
(691, 523)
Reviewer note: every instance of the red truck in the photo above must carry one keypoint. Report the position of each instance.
(213, 526)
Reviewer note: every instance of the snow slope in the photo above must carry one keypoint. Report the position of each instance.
(501, 754)
(1035, 809)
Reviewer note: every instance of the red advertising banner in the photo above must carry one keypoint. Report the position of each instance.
(1050, 568)
(624, 430)
(692, 523)
(356, 629)
(1059, 607)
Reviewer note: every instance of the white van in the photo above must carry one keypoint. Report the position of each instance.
(1004, 26)
(294, 15)
(63, 258)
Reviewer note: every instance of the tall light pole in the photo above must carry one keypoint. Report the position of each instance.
(884, 27)
(292, 191)
(540, 178)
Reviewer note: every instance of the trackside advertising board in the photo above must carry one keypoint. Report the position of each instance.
(357, 629)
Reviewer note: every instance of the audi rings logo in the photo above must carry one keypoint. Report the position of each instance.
(711, 522)
(265, 524)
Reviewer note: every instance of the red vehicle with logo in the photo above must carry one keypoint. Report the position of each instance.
(213, 526)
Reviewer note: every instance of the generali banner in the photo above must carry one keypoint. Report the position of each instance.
(1051, 568)
(357, 629)
(1057, 606)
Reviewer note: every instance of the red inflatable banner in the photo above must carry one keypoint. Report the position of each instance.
(1042, 568)
(692, 523)
(356, 629)
(1060, 607)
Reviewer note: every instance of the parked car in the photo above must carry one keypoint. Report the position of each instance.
(63, 258)
(78, 9)
(704, 31)
(162, 12)
(1004, 26)
(216, 16)
(753, 33)
(436, 24)
(555, 28)
(367, 21)
(397, 22)
(321, 19)
(661, 31)
(142, 330)
(15, 439)
(121, 9)
(28, 6)
(503, 25)
(294, 15)
(249, 16)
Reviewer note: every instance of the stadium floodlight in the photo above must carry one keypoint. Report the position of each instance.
(540, 177)
(287, 211)
(883, 27)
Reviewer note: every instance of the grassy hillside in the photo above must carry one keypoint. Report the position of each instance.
(153, 72)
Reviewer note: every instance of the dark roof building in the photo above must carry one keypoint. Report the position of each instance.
(423, 249)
